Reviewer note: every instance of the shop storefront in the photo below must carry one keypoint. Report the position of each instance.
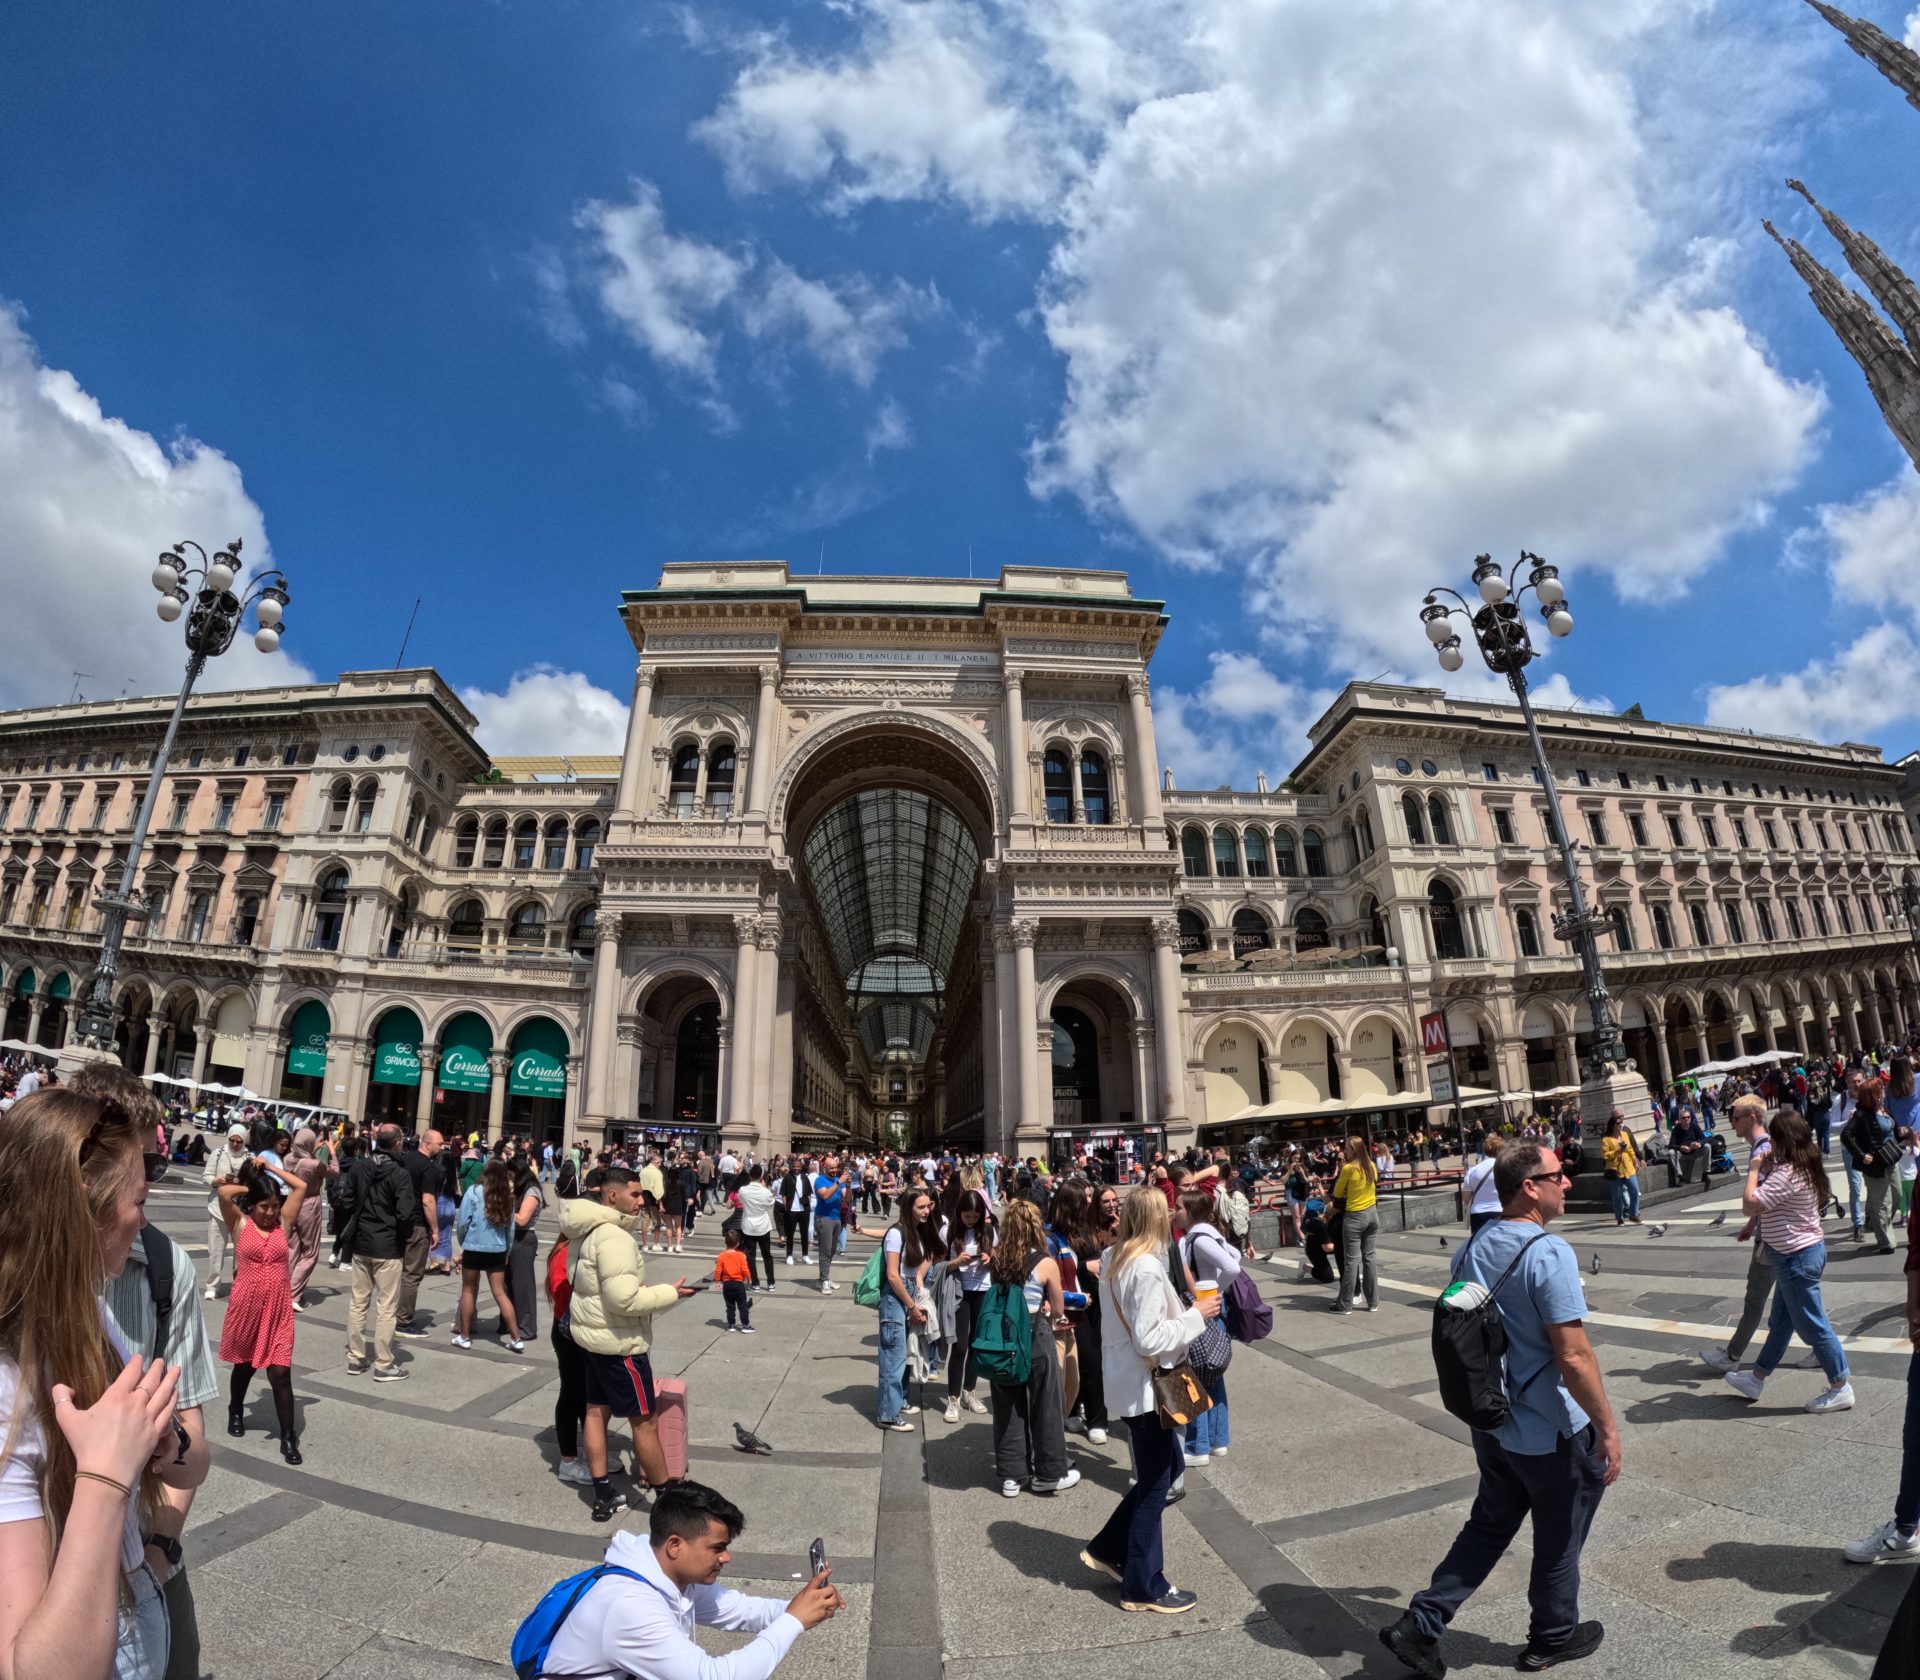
(53, 1019)
(20, 1006)
(1117, 1152)
(537, 1082)
(393, 1082)
(464, 1079)
(303, 1076)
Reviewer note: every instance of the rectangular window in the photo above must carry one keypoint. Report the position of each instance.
(240, 754)
(1710, 831)
(1820, 834)
(1772, 831)
(246, 921)
(1675, 832)
(1740, 832)
(1503, 826)
(1698, 913)
(1583, 778)
(1661, 783)
(97, 818)
(117, 761)
(33, 811)
(1534, 771)
(1626, 781)
(1662, 927)
(1736, 928)
(1637, 827)
(1846, 916)
(66, 811)
(180, 803)
(1695, 780)
(1799, 836)
(1795, 929)
(290, 755)
(1866, 914)
(223, 812)
(196, 758)
(1491, 772)
(1596, 828)
(276, 808)
(1763, 912)
(1820, 916)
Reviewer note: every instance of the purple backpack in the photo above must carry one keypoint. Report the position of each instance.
(1249, 1319)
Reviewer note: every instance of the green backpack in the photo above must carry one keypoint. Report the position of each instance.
(873, 1279)
(1003, 1338)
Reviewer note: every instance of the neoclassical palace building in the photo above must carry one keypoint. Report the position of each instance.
(898, 855)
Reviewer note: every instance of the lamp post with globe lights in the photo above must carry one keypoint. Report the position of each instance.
(209, 591)
(1500, 632)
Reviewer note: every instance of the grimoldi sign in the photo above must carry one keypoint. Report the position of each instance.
(396, 1063)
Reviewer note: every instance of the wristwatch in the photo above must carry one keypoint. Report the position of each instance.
(167, 1547)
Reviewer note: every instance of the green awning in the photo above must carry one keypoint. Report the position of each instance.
(62, 988)
(464, 1047)
(396, 1048)
(307, 1039)
(23, 987)
(539, 1061)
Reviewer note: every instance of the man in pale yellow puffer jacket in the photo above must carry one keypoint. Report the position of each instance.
(610, 1318)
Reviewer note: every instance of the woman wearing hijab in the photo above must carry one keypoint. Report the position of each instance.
(304, 1166)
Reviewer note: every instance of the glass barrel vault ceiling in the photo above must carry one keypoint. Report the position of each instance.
(892, 874)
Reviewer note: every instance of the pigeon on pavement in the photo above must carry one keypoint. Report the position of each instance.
(1719, 1219)
(746, 1441)
(1656, 1230)
(1595, 1267)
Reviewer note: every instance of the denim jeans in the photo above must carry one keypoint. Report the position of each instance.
(140, 1652)
(893, 1359)
(1906, 1504)
(1796, 1306)
(1561, 1491)
(1209, 1430)
(1626, 1197)
(1130, 1539)
(1856, 1189)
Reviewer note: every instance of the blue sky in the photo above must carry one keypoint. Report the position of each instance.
(1285, 308)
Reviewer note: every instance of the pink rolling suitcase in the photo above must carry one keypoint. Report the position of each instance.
(671, 1395)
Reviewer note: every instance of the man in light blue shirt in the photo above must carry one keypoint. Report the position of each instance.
(1557, 1451)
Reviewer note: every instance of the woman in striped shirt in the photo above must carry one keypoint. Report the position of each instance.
(1787, 1190)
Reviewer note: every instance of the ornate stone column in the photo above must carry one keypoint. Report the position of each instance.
(1016, 747)
(1005, 1058)
(736, 1120)
(760, 771)
(201, 1028)
(1166, 1027)
(498, 1062)
(35, 1012)
(603, 1010)
(154, 1024)
(1142, 1071)
(1032, 1135)
(423, 1098)
(1143, 753)
(627, 805)
(570, 1108)
(662, 795)
(1079, 793)
(1659, 1033)
(766, 1024)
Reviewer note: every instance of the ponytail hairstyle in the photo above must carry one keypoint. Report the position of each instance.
(64, 1161)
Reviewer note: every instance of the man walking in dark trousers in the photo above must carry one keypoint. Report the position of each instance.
(1559, 1448)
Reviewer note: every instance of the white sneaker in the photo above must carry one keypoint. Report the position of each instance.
(1195, 1461)
(1838, 1398)
(1745, 1382)
(461, 1341)
(208, 1293)
(1715, 1359)
(1883, 1544)
(789, 1259)
(1060, 1485)
(952, 1413)
(1097, 1436)
(1010, 1490)
(974, 1403)
(574, 1470)
(515, 1345)
(1219, 1452)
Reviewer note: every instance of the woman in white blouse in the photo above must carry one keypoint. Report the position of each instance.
(1143, 1325)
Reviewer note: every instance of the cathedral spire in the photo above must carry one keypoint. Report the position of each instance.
(1895, 60)
(1897, 295)
(1892, 373)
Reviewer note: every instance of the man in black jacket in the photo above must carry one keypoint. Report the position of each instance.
(378, 1207)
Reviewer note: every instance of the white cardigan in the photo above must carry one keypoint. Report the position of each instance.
(1141, 1320)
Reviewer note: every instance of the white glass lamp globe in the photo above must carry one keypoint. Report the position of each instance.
(1450, 659)
(169, 607)
(1550, 591)
(268, 611)
(266, 638)
(219, 574)
(165, 577)
(1493, 589)
(1560, 622)
(1437, 631)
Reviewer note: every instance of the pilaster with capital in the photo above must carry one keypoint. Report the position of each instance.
(1025, 931)
(760, 776)
(498, 1064)
(1141, 749)
(1015, 747)
(603, 1009)
(634, 761)
(1170, 1039)
(429, 1077)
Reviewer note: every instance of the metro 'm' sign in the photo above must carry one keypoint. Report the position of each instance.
(1433, 1034)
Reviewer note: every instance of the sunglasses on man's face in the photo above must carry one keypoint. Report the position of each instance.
(1559, 1173)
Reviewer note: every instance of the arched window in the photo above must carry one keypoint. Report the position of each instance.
(466, 927)
(330, 911)
(494, 854)
(413, 820)
(1622, 928)
(1526, 932)
(429, 832)
(721, 763)
(1094, 793)
(1285, 857)
(338, 804)
(363, 806)
(1377, 929)
(1416, 827)
(553, 849)
(528, 925)
(1255, 842)
(1193, 933)
(526, 842)
(1443, 912)
(1251, 933)
(1193, 851)
(466, 843)
(1366, 834)
(1663, 926)
(1315, 850)
(1056, 782)
(684, 783)
(1440, 827)
(1076, 1069)
(401, 925)
(586, 836)
(1226, 855)
(580, 931)
(1310, 930)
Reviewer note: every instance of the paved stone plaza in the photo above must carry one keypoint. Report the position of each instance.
(426, 1520)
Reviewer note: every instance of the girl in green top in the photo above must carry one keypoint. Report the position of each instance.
(1355, 1188)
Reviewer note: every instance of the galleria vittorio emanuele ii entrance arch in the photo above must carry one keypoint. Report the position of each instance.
(888, 857)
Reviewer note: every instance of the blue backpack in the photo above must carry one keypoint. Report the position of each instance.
(535, 1636)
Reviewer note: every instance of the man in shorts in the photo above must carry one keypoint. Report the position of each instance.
(610, 1316)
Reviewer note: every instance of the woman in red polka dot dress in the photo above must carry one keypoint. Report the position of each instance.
(260, 1206)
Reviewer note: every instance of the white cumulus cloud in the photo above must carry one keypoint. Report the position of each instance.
(86, 503)
(545, 709)
(659, 286)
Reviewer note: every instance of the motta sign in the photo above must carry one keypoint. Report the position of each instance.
(1433, 1033)
(463, 1068)
(536, 1074)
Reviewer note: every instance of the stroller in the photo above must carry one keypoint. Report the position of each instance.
(1718, 1154)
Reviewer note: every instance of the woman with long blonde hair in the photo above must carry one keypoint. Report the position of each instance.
(1143, 1326)
(1355, 1191)
(86, 1434)
(1029, 1428)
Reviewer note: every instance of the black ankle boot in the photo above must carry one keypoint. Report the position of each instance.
(290, 1449)
(236, 1420)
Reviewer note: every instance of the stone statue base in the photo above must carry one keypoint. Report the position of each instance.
(1622, 1088)
(71, 1058)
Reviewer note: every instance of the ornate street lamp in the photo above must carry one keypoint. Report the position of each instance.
(214, 601)
(1501, 635)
